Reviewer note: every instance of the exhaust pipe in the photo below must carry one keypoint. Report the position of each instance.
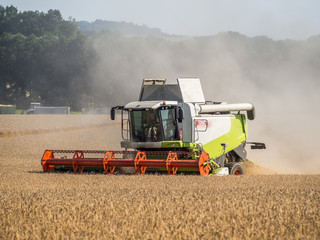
(228, 108)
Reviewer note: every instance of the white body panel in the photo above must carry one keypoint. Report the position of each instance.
(191, 90)
(209, 128)
(146, 144)
(187, 123)
(223, 172)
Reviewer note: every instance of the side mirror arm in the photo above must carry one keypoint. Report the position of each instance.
(113, 111)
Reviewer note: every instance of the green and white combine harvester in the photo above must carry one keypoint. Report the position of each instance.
(171, 128)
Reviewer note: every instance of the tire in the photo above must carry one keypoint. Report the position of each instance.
(235, 169)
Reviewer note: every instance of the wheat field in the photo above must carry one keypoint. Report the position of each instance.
(37, 205)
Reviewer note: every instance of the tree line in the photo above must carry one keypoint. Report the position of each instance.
(45, 58)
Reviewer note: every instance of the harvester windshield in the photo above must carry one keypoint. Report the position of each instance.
(153, 125)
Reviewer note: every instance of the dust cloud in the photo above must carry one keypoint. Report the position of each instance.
(279, 77)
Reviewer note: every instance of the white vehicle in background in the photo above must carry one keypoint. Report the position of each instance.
(33, 106)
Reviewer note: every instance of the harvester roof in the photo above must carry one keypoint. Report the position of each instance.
(186, 90)
(149, 104)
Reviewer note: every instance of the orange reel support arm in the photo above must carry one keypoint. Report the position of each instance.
(78, 155)
(106, 162)
(172, 156)
(141, 156)
(48, 154)
(204, 169)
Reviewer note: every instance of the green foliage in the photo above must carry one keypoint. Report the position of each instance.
(43, 58)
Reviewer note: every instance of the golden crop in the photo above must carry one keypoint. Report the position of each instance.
(36, 205)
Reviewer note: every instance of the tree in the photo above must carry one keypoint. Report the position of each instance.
(43, 58)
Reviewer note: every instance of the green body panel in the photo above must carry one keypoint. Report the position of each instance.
(177, 144)
(166, 144)
(236, 135)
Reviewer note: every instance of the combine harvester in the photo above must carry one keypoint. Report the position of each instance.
(170, 128)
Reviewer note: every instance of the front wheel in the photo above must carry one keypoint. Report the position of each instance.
(235, 169)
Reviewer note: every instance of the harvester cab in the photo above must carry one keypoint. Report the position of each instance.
(172, 127)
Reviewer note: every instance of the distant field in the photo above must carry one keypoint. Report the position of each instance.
(35, 205)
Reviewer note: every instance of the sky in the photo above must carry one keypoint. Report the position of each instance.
(277, 19)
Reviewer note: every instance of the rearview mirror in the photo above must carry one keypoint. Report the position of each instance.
(251, 114)
(179, 114)
(113, 113)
